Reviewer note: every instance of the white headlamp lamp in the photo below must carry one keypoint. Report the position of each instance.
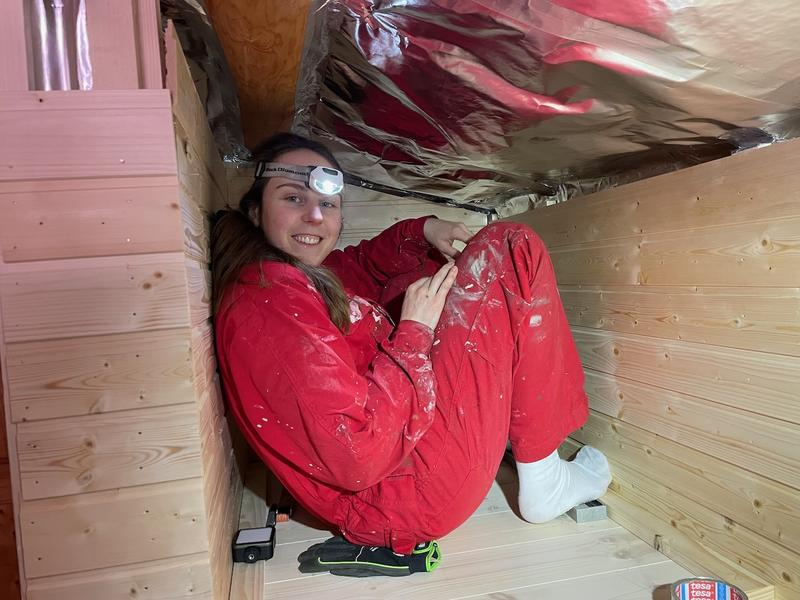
(325, 180)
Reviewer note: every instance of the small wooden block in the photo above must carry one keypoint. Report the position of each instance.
(589, 511)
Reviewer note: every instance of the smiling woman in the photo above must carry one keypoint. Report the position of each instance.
(392, 433)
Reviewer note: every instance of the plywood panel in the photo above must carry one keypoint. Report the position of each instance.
(100, 452)
(765, 319)
(13, 48)
(263, 41)
(98, 374)
(756, 502)
(74, 134)
(81, 297)
(96, 217)
(751, 441)
(754, 185)
(181, 578)
(112, 45)
(104, 529)
(762, 383)
(751, 254)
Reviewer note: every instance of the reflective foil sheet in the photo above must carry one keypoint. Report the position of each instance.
(506, 103)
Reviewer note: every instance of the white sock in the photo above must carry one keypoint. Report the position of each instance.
(551, 486)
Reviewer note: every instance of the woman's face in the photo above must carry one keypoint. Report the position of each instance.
(296, 219)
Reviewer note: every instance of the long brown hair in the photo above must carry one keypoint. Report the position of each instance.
(237, 242)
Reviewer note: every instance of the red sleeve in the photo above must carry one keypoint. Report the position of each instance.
(291, 382)
(400, 249)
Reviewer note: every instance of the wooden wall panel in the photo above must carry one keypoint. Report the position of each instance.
(721, 193)
(755, 381)
(682, 294)
(13, 47)
(148, 43)
(181, 578)
(72, 298)
(112, 45)
(75, 455)
(98, 374)
(104, 529)
(761, 254)
(750, 318)
(754, 442)
(203, 188)
(50, 135)
(89, 217)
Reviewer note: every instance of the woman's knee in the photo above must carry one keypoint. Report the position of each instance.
(509, 232)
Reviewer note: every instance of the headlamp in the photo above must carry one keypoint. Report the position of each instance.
(325, 180)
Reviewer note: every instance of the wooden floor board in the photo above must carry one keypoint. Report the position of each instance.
(494, 555)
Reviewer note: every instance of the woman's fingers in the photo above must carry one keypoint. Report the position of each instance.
(440, 277)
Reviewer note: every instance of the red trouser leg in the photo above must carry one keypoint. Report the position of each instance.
(506, 367)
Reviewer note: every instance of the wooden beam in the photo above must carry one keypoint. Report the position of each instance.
(263, 43)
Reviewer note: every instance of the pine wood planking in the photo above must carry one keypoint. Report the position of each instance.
(181, 578)
(82, 218)
(193, 133)
(756, 254)
(516, 565)
(748, 554)
(98, 374)
(764, 319)
(111, 528)
(148, 44)
(85, 134)
(762, 383)
(111, 31)
(754, 185)
(75, 455)
(638, 583)
(751, 441)
(755, 502)
(14, 64)
(650, 519)
(93, 296)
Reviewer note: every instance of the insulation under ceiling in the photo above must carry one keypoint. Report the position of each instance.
(500, 103)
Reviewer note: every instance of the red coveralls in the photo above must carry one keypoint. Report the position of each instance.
(395, 434)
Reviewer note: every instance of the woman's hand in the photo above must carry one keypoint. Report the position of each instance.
(425, 297)
(441, 235)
